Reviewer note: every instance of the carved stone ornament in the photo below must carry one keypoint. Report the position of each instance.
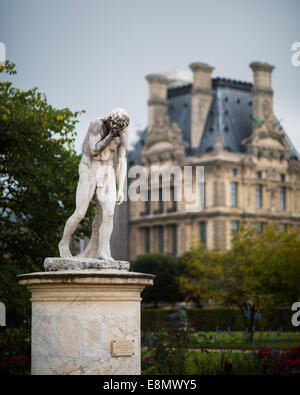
(163, 131)
(267, 130)
(294, 166)
(266, 109)
(272, 174)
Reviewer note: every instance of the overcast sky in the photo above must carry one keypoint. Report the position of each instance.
(94, 54)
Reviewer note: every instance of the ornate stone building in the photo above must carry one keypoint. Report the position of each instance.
(251, 168)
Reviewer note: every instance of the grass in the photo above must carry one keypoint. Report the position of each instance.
(240, 340)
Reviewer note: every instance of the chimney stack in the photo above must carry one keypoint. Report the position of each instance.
(262, 92)
(157, 103)
(201, 99)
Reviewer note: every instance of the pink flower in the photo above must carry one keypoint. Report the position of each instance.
(265, 353)
(290, 362)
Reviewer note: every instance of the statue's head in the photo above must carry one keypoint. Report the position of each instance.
(118, 120)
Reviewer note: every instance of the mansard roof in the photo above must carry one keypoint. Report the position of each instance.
(229, 115)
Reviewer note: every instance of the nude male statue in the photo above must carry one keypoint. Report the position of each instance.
(96, 172)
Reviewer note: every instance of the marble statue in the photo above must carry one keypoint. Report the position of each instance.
(97, 173)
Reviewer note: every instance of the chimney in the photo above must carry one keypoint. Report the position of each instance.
(262, 92)
(157, 103)
(201, 99)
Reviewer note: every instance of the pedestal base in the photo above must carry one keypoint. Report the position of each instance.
(77, 317)
(74, 263)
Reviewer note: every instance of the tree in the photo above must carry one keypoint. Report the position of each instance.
(260, 271)
(166, 268)
(200, 274)
(39, 173)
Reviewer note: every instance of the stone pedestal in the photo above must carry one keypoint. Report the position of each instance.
(81, 318)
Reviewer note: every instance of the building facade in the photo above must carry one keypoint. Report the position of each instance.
(251, 168)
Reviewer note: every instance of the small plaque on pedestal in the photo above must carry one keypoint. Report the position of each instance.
(122, 348)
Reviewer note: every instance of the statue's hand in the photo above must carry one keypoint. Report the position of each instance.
(117, 132)
(120, 197)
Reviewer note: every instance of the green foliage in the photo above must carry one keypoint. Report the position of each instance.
(263, 268)
(264, 362)
(210, 319)
(204, 363)
(177, 352)
(181, 350)
(200, 276)
(15, 350)
(223, 363)
(260, 271)
(166, 268)
(168, 351)
(239, 340)
(39, 174)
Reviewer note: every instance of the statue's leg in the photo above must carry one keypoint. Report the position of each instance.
(91, 250)
(107, 199)
(85, 191)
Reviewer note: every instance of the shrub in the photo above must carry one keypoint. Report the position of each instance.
(166, 268)
(290, 362)
(15, 350)
(209, 319)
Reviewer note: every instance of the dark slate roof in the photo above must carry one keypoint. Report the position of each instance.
(293, 151)
(229, 115)
(179, 109)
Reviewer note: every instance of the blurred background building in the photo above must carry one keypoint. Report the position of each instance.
(251, 168)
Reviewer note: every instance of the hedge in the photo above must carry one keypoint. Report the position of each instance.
(208, 319)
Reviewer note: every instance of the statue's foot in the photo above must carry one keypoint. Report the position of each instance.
(104, 257)
(64, 250)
